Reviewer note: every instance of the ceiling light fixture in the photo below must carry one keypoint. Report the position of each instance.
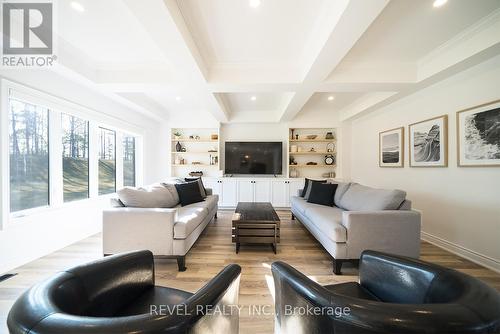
(77, 6)
(253, 98)
(254, 3)
(331, 98)
(439, 3)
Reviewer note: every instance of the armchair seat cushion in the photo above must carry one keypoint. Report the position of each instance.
(188, 219)
(158, 296)
(328, 220)
(352, 289)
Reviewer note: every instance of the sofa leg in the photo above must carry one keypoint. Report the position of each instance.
(181, 263)
(293, 216)
(337, 266)
(215, 217)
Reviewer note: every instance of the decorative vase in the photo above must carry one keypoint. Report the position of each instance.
(294, 173)
(329, 135)
(178, 147)
(293, 148)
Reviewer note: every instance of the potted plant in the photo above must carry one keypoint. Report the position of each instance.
(177, 135)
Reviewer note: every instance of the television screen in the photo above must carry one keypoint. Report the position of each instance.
(253, 158)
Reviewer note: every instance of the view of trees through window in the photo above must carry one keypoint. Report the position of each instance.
(75, 152)
(107, 161)
(129, 161)
(29, 155)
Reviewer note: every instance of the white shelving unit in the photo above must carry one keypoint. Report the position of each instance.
(200, 151)
(308, 154)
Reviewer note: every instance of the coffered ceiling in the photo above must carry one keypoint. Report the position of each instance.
(270, 60)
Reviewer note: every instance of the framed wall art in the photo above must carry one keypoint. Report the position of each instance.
(391, 148)
(428, 142)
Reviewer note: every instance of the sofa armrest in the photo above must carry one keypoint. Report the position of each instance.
(128, 229)
(209, 191)
(392, 231)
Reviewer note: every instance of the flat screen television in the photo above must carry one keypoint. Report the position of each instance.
(254, 158)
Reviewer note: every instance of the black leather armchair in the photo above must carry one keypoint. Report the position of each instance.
(117, 294)
(394, 295)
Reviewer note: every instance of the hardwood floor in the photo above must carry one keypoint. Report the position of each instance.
(212, 252)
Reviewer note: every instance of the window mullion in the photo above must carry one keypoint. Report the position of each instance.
(93, 159)
(119, 160)
(55, 159)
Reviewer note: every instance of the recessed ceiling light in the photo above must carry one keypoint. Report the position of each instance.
(254, 3)
(439, 3)
(253, 98)
(331, 98)
(77, 6)
(178, 98)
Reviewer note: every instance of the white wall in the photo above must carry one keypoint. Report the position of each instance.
(24, 239)
(461, 206)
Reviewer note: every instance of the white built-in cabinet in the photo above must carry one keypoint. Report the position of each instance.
(233, 190)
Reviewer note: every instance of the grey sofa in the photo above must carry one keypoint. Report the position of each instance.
(362, 218)
(166, 232)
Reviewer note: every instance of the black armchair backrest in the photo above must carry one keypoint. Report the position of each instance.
(84, 299)
(114, 281)
(451, 302)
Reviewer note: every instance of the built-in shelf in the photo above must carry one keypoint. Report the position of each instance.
(194, 165)
(196, 144)
(312, 140)
(312, 166)
(311, 153)
(191, 152)
(195, 140)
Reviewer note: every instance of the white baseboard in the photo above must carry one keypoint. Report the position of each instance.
(471, 255)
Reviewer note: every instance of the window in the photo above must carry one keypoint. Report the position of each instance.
(129, 161)
(107, 161)
(75, 152)
(29, 155)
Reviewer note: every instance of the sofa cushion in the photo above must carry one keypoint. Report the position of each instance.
(362, 198)
(341, 189)
(210, 202)
(328, 220)
(188, 219)
(189, 192)
(322, 193)
(298, 204)
(154, 196)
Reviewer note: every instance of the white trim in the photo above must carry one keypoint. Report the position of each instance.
(464, 252)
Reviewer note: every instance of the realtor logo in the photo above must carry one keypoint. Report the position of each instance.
(27, 30)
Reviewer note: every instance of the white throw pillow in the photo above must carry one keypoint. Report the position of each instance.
(154, 196)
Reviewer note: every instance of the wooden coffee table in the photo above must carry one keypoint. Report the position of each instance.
(256, 223)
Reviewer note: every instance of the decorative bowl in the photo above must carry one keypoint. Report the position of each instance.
(312, 137)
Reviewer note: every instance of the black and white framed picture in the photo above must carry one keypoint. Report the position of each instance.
(478, 133)
(391, 148)
(429, 142)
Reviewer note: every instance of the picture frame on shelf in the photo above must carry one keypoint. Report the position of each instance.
(391, 148)
(478, 135)
(428, 142)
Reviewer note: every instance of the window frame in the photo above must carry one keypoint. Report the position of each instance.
(56, 107)
(134, 164)
(116, 161)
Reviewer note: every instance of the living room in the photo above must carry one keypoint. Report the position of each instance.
(228, 165)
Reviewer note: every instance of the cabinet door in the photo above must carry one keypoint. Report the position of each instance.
(245, 191)
(262, 191)
(213, 184)
(293, 188)
(229, 193)
(279, 193)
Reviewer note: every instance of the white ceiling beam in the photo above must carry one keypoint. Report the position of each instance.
(164, 23)
(357, 16)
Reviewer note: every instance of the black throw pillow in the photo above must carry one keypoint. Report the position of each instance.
(307, 188)
(189, 193)
(203, 190)
(322, 193)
